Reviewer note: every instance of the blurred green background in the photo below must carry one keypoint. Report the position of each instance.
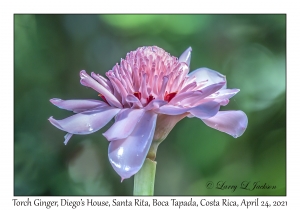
(49, 52)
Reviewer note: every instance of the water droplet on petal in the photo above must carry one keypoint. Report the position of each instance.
(90, 127)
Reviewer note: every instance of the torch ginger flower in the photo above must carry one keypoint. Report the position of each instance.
(149, 91)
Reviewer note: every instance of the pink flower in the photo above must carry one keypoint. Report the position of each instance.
(150, 87)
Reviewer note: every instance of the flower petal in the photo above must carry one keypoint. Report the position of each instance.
(126, 121)
(136, 103)
(172, 110)
(186, 56)
(104, 82)
(67, 137)
(155, 104)
(193, 98)
(206, 110)
(76, 105)
(208, 76)
(233, 123)
(86, 122)
(128, 155)
(224, 94)
(88, 81)
(221, 96)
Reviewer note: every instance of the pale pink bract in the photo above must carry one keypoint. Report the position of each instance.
(148, 83)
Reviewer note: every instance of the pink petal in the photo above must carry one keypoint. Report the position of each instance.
(67, 137)
(186, 56)
(224, 94)
(206, 110)
(104, 82)
(221, 96)
(76, 105)
(128, 155)
(155, 104)
(135, 102)
(208, 75)
(172, 110)
(223, 102)
(126, 121)
(86, 122)
(193, 98)
(233, 123)
(120, 89)
(88, 81)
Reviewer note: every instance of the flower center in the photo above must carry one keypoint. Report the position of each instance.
(168, 97)
(103, 98)
(148, 73)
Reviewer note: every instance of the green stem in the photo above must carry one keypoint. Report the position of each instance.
(145, 178)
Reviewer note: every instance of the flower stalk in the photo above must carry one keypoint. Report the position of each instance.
(153, 149)
(144, 179)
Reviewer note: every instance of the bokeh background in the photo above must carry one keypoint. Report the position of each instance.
(49, 52)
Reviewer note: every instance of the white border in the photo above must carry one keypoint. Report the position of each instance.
(153, 6)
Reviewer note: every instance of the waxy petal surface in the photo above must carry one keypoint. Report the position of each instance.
(126, 121)
(86, 122)
(76, 105)
(206, 110)
(194, 98)
(224, 94)
(88, 81)
(67, 138)
(128, 155)
(233, 123)
(208, 76)
(172, 110)
(155, 104)
(136, 103)
(186, 56)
